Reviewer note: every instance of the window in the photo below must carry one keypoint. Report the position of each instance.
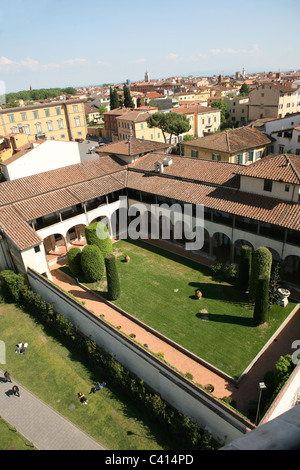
(50, 126)
(38, 128)
(75, 108)
(47, 112)
(288, 105)
(249, 156)
(77, 121)
(268, 185)
(194, 153)
(287, 188)
(11, 118)
(37, 249)
(27, 129)
(216, 157)
(158, 135)
(24, 116)
(239, 158)
(151, 136)
(58, 111)
(60, 124)
(281, 148)
(20, 128)
(142, 125)
(35, 114)
(259, 154)
(14, 130)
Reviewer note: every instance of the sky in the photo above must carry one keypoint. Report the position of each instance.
(60, 43)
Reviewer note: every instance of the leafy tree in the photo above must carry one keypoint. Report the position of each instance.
(220, 104)
(69, 91)
(245, 267)
(128, 103)
(169, 123)
(244, 90)
(74, 261)
(159, 120)
(92, 263)
(262, 262)
(112, 276)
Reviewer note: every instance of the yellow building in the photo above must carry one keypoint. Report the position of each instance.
(11, 144)
(242, 145)
(202, 119)
(135, 123)
(61, 120)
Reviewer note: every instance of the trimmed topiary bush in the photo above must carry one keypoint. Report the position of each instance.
(98, 234)
(261, 300)
(113, 282)
(74, 261)
(262, 262)
(92, 263)
(245, 268)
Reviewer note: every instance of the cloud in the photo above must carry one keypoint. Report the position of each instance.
(104, 64)
(230, 51)
(5, 61)
(172, 56)
(78, 60)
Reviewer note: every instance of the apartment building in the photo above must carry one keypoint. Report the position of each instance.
(286, 134)
(134, 123)
(243, 145)
(238, 110)
(203, 119)
(274, 100)
(61, 120)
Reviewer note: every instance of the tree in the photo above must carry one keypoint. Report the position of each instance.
(223, 107)
(244, 90)
(169, 123)
(128, 103)
(262, 262)
(97, 234)
(112, 276)
(261, 306)
(92, 263)
(245, 267)
(114, 98)
(74, 261)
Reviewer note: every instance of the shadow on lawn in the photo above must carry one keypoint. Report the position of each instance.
(222, 292)
(231, 319)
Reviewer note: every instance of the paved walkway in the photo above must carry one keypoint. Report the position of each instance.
(40, 424)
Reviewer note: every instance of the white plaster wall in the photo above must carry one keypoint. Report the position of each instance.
(36, 261)
(284, 123)
(256, 186)
(47, 156)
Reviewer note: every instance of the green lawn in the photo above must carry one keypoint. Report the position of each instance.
(158, 288)
(10, 439)
(56, 374)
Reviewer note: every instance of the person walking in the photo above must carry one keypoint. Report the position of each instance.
(7, 377)
(16, 391)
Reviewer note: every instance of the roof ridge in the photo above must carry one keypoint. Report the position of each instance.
(227, 140)
(292, 166)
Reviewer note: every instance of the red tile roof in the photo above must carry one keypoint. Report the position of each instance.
(284, 168)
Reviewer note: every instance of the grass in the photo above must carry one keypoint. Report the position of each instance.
(158, 288)
(56, 374)
(10, 439)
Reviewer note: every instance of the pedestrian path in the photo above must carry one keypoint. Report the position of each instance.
(39, 423)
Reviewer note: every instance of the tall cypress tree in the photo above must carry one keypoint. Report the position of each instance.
(114, 98)
(128, 103)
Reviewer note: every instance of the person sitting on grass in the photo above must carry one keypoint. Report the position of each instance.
(82, 398)
(99, 386)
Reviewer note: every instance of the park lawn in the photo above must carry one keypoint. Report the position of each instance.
(10, 439)
(158, 288)
(56, 374)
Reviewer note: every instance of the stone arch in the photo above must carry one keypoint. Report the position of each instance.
(75, 236)
(275, 255)
(237, 248)
(292, 269)
(55, 246)
(221, 247)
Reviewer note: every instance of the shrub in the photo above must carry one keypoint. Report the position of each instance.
(245, 268)
(97, 234)
(262, 262)
(261, 300)
(12, 285)
(92, 263)
(74, 261)
(222, 272)
(113, 283)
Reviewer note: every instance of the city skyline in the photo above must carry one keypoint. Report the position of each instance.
(68, 45)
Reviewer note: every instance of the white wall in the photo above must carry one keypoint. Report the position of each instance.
(47, 156)
(284, 123)
(256, 186)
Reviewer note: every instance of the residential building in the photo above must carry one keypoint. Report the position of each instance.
(238, 110)
(40, 157)
(57, 120)
(203, 119)
(12, 144)
(131, 148)
(286, 132)
(242, 145)
(92, 114)
(110, 131)
(186, 97)
(135, 123)
(274, 100)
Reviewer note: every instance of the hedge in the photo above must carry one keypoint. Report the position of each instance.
(112, 276)
(74, 261)
(245, 268)
(188, 433)
(97, 234)
(261, 300)
(92, 263)
(262, 262)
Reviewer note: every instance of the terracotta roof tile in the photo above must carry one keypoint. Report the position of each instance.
(284, 168)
